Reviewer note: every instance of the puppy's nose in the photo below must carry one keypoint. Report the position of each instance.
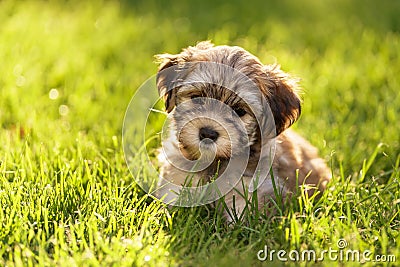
(209, 133)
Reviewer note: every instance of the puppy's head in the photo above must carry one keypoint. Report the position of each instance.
(214, 107)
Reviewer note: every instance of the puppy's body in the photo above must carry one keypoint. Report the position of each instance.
(296, 161)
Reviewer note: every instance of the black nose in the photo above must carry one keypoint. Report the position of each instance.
(206, 132)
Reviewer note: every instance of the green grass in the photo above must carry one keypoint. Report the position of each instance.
(67, 196)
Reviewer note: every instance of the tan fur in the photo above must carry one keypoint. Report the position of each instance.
(293, 153)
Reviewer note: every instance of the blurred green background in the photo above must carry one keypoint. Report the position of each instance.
(69, 69)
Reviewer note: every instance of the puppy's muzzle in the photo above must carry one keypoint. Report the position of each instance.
(208, 133)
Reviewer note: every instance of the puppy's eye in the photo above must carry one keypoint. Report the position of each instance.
(197, 99)
(240, 112)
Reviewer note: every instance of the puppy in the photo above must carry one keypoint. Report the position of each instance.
(228, 120)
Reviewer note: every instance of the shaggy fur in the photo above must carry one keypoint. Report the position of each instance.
(203, 128)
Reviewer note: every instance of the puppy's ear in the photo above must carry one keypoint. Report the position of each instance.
(283, 97)
(165, 76)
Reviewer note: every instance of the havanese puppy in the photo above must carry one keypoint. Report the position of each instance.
(228, 116)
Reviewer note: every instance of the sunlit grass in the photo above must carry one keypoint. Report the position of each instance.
(69, 70)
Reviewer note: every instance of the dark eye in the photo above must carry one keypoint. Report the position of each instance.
(240, 112)
(197, 99)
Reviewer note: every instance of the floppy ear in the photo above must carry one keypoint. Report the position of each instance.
(165, 76)
(284, 101)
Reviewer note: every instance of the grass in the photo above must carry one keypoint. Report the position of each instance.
(67, 196)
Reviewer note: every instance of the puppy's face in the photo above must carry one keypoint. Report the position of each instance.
(217, 97)
(212, 121)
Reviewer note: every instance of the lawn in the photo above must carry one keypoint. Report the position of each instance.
(69, 70)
